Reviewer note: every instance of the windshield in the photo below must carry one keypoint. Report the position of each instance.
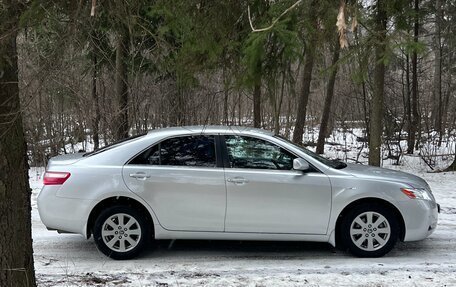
(332, 163)
(113, 145)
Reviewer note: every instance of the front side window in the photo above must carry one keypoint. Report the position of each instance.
(181, 151)
(249, 152)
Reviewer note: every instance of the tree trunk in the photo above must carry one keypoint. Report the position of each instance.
(122, 51)
(415, 117)
(328, 100)
(16, 252)
(452, 166)
(304, 94)
(407, 95)
(448, 94)
(437, 93)
(181, 116)
(96, 117)
(305, 88)
(376, 115)
(257, 104)
(225, 106)
(239, 108)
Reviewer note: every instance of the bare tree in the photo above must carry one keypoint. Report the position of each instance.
(437, 92)
(414, 115)
(96, 117)
(122, 52)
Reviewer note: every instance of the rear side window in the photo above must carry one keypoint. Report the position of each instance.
(150, 156)
(181, 151)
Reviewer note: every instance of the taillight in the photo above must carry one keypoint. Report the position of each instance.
(55, 177)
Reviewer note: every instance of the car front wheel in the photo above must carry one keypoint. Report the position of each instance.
(120, 232)
(370, 230)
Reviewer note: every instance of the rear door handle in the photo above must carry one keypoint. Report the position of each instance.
(139, 175)
(238, 180)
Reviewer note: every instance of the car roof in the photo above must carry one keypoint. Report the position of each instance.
(202, 129)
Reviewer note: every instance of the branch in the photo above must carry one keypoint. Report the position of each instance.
(274, 21)
(92, 11)
(342, 26)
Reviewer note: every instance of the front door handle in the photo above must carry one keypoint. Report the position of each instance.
(139, 175)
(238, 180)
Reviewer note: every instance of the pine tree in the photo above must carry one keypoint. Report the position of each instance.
(16, 252)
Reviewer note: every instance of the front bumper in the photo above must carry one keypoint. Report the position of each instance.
(61, 213)
(420, 218)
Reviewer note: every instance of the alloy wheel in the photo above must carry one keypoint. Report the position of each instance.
(121, 232)
(370, 231)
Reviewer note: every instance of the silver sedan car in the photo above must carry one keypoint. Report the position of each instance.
(227, 183)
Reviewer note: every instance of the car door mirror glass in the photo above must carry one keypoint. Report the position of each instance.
(300, 164)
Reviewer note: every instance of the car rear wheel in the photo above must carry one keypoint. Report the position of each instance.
(370, 230)
(121, 232)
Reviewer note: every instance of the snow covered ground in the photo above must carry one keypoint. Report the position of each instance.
(70, 260)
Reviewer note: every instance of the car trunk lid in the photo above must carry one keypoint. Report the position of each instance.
(65, 159)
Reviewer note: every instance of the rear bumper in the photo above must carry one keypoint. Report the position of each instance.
(420, 218)
(63, 214)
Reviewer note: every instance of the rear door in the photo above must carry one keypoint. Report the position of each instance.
(181, 180)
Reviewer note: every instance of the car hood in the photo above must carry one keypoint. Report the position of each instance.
(65, 159)
(373, 172)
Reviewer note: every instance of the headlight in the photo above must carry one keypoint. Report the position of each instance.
(417, 193)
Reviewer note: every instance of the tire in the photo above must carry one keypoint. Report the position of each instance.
(119, 240)
(369, 230)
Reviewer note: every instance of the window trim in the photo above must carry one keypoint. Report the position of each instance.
(218, 152)
(226, 162)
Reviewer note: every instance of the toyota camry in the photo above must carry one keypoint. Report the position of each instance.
(230, 183)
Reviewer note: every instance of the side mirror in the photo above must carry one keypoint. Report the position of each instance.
(300, 164)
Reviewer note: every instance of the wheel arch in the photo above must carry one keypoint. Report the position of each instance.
(117, 200)
(368, 200)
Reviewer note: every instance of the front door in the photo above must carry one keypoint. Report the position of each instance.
(265, 194)
(180, 180)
